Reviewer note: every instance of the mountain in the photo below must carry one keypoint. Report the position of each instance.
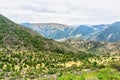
(15, 36)
(108, 32)
(50, 30)
(27, 25)
(83, 30)
(101, 27)
(60, 31)
(111, 34)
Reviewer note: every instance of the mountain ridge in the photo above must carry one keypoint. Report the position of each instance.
(63, 31)
(85, 32)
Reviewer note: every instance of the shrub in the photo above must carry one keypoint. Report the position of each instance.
(115, 65)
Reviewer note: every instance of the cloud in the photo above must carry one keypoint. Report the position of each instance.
(61, 11)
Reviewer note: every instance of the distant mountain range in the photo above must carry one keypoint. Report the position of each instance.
(108, 32)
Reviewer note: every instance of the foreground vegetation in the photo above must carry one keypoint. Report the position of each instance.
(19, 64)
(103, 74)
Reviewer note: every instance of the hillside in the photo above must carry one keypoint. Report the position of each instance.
(15, 36)
(95, 47)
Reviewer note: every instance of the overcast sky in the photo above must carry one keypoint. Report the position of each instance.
(70, 12)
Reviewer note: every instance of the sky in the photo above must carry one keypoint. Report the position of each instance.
(71, 12)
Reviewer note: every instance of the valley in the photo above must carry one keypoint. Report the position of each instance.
(25, 54)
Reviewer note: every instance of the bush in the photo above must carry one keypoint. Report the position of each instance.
(115, 65)
(51, 72)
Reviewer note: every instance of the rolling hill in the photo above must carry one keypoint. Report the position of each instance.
(95, 47)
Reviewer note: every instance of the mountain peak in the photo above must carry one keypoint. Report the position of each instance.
(55, 25)
(116, 23)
